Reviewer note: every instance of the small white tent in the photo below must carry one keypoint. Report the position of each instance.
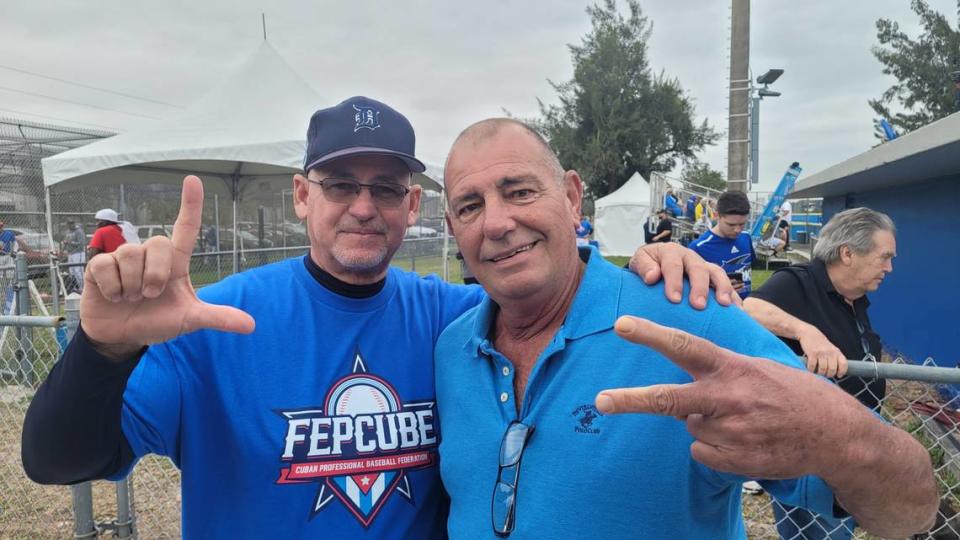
(620, 217)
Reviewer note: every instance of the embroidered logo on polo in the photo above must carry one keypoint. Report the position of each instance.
(359, 445)
(365, 118)
(586, 416)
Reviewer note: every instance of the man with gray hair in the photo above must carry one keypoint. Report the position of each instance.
(820, 309)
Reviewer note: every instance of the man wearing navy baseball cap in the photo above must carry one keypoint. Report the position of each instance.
(322, 421)
(361, 144)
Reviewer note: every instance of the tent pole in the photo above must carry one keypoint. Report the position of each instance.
(445, 252)
(236, 237)
(216, 222)
(235, 191)
(53, 267)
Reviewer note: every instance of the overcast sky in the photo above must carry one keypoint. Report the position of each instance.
(447, 63)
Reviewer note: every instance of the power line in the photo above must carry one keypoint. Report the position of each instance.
(57, 118)
(82, 85)
(76, 102)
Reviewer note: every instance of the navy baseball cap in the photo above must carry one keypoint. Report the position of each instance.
(360, 125)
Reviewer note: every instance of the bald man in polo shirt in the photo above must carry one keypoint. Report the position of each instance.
(533, 449)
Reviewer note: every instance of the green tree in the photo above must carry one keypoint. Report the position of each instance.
(699, 173)
(614, 116)
(923, 68)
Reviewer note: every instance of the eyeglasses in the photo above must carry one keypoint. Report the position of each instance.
(503, 504)
(864, 343)
(345, 191)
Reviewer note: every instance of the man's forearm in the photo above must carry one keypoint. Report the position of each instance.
(72, 430)
(774, 319)
(883, 477)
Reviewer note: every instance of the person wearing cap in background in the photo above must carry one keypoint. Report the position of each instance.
(9, 244)
(72, 244)
(663, 230)
(108, 236)
(321, 423)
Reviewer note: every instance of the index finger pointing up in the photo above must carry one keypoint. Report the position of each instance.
(695, 355)
(187, 226)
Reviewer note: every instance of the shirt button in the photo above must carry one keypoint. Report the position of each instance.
(504, 397)
(506, 371)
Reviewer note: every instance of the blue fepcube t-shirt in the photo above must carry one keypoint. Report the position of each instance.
(585, 475)
(322, 423)
(732, 254)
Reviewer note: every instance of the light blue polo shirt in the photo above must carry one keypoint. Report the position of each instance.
(585, 475)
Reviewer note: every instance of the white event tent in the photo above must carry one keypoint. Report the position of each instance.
(247, 132)
(620, 217)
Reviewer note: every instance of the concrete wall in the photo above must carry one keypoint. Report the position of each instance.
(916, 311)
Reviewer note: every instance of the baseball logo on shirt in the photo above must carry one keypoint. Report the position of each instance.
(359, 444)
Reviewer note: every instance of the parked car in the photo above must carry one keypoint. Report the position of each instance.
(419, 231)
(290, 234)
(149, 231)
(248, 240)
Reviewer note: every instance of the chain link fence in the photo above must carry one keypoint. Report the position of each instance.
(148, 505)
(917, 407)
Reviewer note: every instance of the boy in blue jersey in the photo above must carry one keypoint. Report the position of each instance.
(727, 244)
(532, 450)
(321, 423)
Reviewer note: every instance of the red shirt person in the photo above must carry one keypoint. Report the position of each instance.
(108, 236)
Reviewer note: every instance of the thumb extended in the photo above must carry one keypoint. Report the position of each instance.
(223, 318)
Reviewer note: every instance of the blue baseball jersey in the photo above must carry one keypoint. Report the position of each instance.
(584, 229)
(322, 423)
(7, 242)
(582, 474)
(731, 254)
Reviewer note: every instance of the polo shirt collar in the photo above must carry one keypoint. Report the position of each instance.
(819, 270)
(594, 308)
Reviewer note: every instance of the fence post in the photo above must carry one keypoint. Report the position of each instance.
(55, 286)
(83, 525)
(124, 510)
(24, 335)
(72, 314)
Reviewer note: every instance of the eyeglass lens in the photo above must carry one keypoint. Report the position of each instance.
(504, 501)
(345, 191)
(503, 505)
(511, 448)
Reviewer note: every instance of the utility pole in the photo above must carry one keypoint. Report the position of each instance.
(956, 69)
(738, 141)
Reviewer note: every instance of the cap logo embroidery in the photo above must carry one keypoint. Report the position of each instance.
(365, 118)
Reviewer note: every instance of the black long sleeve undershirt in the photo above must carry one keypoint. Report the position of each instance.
(72, 430)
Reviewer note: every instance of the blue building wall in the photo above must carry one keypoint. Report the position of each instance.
(916, 309)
